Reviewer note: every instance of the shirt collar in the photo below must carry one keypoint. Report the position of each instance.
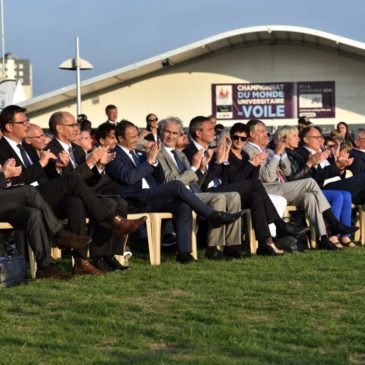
(12, 143)
(65, 146)
(313, 152)
(198, 146)
(256, 146)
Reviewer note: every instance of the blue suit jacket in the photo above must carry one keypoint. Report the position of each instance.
(126, 174)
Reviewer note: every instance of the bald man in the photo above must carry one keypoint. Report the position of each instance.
(68, 196)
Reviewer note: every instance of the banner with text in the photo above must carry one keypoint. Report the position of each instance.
(280, 100)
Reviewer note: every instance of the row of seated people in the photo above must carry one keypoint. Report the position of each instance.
(69, 184)
(163, 179)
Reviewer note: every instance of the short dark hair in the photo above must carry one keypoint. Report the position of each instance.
(238, 127)
(196, 123)
(110, 107)
(8, 113)
(55, 119)
(103, 131)
(306, 130)
(121, 128)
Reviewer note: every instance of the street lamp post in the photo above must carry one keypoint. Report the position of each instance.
(76, 64)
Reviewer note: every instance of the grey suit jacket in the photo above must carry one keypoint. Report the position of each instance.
(171, 171)
(268, 171)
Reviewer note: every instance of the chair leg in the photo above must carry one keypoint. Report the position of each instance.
(362, 223)
(155, 245)
(193, 238)
(32, 263)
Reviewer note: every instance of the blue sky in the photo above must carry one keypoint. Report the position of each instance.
(116, 33)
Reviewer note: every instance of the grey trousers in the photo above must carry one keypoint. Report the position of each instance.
(230, 234)
(307, 195)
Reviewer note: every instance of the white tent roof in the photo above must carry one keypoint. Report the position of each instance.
(269, 34)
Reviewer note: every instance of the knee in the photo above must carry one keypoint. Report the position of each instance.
(72, 180)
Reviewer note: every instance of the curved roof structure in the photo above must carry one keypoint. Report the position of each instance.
(258, 35)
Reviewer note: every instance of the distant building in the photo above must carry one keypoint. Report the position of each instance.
(18, 69)
(276, 73)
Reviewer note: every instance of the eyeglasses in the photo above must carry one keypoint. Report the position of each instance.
(40, 136)
(239, 138)
(153, 120)
(73, 125)
(330, 145)
(315, 137)
(23, 122)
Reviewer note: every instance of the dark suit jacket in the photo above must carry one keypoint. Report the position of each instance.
(318, 173)
(29, 175)
(239, 170)
(214, 171)
(127, 175)
(82, 169)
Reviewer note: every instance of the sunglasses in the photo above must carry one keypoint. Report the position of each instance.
(239, 138)
(153, 120)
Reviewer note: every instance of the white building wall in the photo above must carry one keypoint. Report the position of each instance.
(185, 91)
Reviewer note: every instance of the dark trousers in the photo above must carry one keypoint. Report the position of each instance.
(254, 197)
(24, 208)
(175, 198)
(355, 185)
(71, 198)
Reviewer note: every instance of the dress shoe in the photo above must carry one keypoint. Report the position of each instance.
(326, 244)
(218, 219)
(212, 253)
(265, 249)
(123, 226)
(342, 229)
(114, 264)
(51, 272)
(291, 229)
(184, 257)
(85, 267)
(67, 239)
(233, 251)
(100, 264)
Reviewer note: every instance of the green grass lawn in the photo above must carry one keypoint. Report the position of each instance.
(298, 309)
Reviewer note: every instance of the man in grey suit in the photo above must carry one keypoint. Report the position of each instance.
(304, 193)
(176, 166)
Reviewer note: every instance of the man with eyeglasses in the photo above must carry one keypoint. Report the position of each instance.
(312, 140)
(358, 151)
(305, 193)
(68, 196)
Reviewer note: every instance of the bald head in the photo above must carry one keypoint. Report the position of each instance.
(36, 137)
(64, 126)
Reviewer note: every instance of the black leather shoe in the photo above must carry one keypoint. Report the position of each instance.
(342, 229)
(184, 257)
(291, 229)
(212, 253)
(218, 219)
(114, 264)
(233, 251)
(100, 264)
(266, 250)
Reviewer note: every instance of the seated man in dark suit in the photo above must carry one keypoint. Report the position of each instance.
(312, 140)
(252, 192)
(67, 195)
(133, 171)
(24, 208)
(358, 150)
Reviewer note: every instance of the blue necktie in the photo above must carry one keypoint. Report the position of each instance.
(149, 178)
(24, 155)
(72, 157)
(181, 167)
